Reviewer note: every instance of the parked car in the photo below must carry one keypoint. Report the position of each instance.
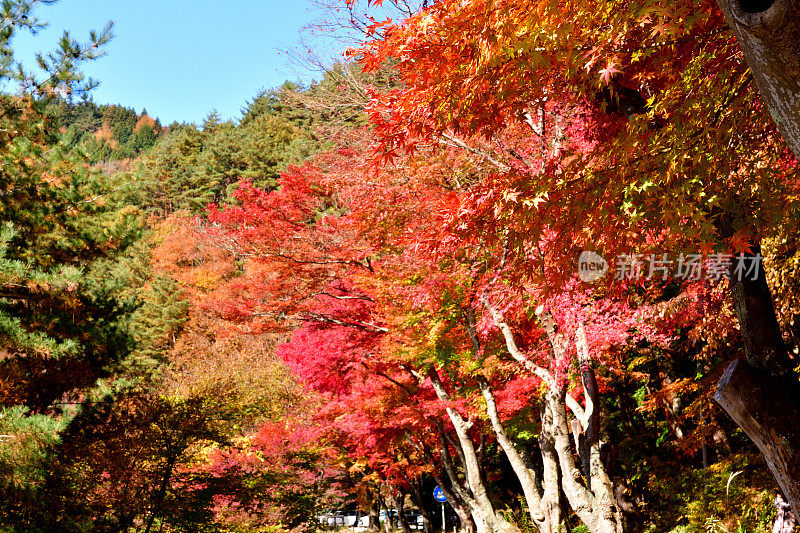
(334, 519)
(351, 518)
(414, 519)
(331, 519)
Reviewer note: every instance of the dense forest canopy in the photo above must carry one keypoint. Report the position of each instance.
(375, 284)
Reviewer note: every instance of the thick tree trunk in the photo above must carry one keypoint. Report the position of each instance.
(456, 496)
(596, 505)
(545, 513)
(486, 517)
(374, 516)
(465, 521)
(542, 495)
(416, 497)
(768, 31)
(761, 334)
(551, 479)
(762, 396)
(763, 407)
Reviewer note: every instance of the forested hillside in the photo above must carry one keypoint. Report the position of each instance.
(105, 132)
(511, 250)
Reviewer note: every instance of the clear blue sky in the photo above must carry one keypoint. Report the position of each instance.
(181, 58)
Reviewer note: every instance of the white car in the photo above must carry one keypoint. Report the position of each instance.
(336, 519)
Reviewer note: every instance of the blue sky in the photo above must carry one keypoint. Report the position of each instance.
(181, 58)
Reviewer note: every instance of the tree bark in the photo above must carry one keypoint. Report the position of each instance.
(400, 505)
(542, 496)
(765, 409)
(762, 395)
(486, 517)
(768, 31)
(595, 505)
(591, 433)
(387, 523)
(542, 505)
(416, 497)
(595, 502)
(551, 477)
(758, 323)
(374, 515)
(457, 496)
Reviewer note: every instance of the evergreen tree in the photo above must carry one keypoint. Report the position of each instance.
(145, 138)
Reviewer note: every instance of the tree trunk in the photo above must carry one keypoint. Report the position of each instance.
(551, 477)
(400, 505)
(591, 433)
(542, 512)
(766, 410)
(762, 396)
(596, 505)
(374, 516)
(720, 437)
(382, 505)
(483, 511)
(416, 497)
(768, 31)
(455, 497)
(761, 334)
(595, 502)
(159, 496)
(465, 522)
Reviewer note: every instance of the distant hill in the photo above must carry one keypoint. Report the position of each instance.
(105, 132)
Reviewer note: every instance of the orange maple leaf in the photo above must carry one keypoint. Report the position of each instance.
(740, 242)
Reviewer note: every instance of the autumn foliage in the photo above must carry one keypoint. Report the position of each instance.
(369, 287)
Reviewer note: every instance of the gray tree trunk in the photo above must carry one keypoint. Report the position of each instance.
(768, 31)
(594, 505)
(763, 395)
(762, 406)
(595, 500)
(542, 504)
(456, 494)
(486, 517)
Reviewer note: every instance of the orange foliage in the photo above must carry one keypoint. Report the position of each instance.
(105, 133)
(196, 264)
(146, 120)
